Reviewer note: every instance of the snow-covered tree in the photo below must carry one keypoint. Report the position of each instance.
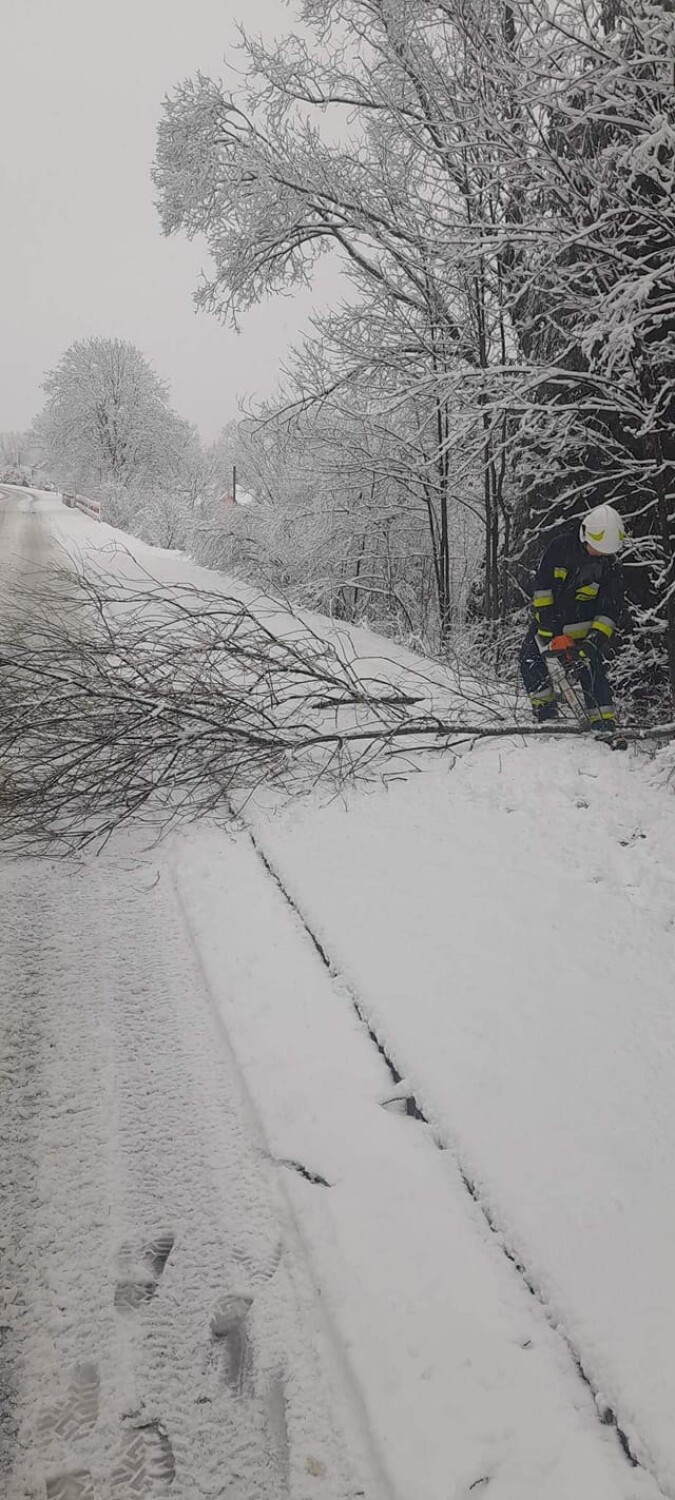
(498, 182)
(400, 183)
(592, 280)
(15, 450)
(107, 419)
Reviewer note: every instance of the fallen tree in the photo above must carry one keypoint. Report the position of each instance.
(122, 701)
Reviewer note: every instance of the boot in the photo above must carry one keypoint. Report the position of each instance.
(546, 711)
(602, 723)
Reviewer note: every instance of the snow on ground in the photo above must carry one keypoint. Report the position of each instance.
(159, 1327)
(160, 1332)
(504, 922)
(467, 1389)
(99, 549)
(509, 930)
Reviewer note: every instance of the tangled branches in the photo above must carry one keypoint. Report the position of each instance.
(120, 701)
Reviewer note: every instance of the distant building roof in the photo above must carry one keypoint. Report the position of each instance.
(243, 498)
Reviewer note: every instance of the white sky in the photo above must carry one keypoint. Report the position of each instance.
(81, 252)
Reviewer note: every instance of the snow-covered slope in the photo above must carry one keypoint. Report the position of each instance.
(504, 924)
(509, 929)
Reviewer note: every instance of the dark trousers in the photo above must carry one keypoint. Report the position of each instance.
(590, 672)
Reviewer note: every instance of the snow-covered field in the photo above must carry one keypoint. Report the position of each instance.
(212, 1043)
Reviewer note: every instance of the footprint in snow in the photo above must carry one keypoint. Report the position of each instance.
(146, 1465)
(76, 1485)
(78, 1412)
(230, 1342)
(140, 1276)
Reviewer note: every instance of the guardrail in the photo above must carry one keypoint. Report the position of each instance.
(90, 507)
(80, 502)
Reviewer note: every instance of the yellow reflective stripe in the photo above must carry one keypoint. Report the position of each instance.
(596, 536)
(545, 635)
(587, 591)
(598, 715)
(538, 700)
(541, 600)
(560, 573)
(603, 624)
(577, 630)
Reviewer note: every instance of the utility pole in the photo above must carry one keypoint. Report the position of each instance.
(234, 484)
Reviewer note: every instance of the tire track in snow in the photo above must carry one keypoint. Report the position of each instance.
(607, 1416)
(219, 1232)
(21, 1089)
(63, 1214)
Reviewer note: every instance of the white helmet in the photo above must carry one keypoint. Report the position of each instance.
(603, 529)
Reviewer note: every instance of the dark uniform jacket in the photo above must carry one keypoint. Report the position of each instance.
(576, 594)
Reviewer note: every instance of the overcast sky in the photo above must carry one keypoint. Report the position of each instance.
(81, 253)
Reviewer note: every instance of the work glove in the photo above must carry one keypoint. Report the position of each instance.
(590, 648)
(562, 644)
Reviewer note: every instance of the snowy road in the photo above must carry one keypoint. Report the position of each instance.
(158, 1322)
(159, 1330)
(234, 1265)
(159, 1327)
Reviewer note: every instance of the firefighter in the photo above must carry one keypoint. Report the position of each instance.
(577, 602)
